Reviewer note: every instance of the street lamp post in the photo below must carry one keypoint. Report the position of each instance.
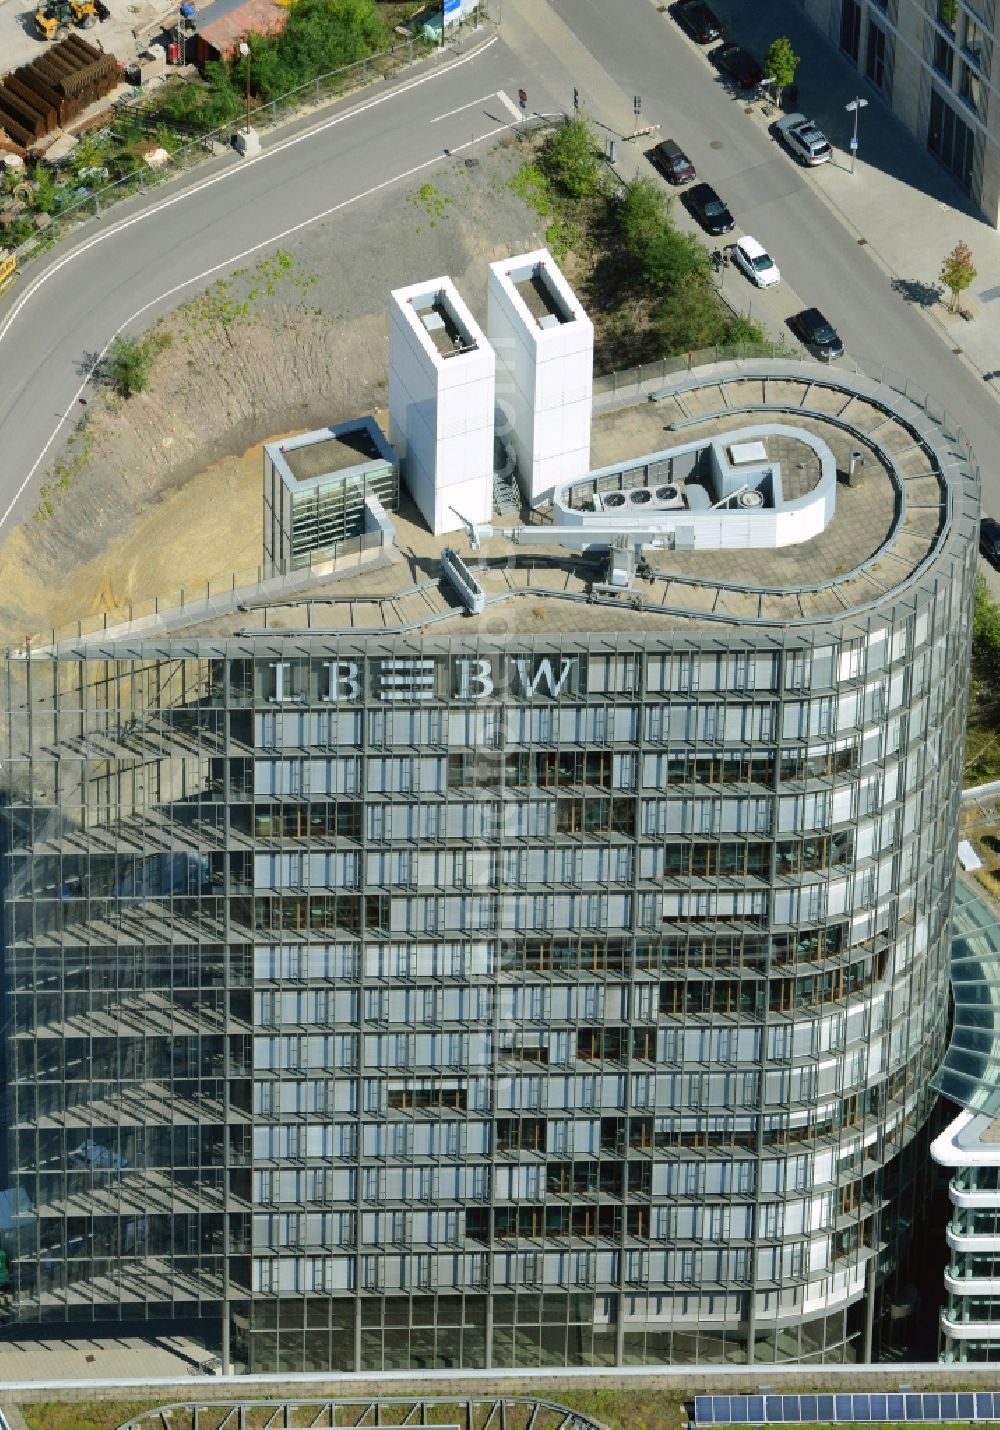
(247, 143)
(245, 52)
(856, 105)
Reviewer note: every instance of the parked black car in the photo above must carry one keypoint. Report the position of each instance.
(705, 206)
(989, 538)
(738, 65)
(701, 23)
(817, 333)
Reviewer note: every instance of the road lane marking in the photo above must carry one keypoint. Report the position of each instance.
(240, 168)
(228, 263)
(505, 99)
(471, 105)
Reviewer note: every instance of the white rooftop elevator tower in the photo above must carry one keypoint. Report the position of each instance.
(441, 403)
(544, 345)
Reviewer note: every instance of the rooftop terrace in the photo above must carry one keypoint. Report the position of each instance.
(918, 499)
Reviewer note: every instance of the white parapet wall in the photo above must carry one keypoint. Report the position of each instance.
(544, 345)
(441, 404)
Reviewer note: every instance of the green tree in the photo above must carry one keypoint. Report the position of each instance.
(957, 273)
(571, 158)
(781, 63)
(129, 362)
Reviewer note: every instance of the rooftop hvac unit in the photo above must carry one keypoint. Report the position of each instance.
(750, 499)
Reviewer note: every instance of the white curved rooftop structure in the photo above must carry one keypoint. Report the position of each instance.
(765, 485)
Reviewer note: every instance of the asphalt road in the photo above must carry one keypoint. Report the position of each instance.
(129, 269)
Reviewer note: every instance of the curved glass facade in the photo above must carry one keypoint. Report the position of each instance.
(489, 997)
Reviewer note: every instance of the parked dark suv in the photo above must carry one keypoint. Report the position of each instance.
(817, 333)
(672, 162)
(701, 23)
(738, 65)
(704, 204)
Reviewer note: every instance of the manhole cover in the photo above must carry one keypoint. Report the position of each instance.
(715, 144)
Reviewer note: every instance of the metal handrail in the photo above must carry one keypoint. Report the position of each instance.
(476, 1410)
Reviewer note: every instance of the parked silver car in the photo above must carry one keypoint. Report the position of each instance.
(806, 141)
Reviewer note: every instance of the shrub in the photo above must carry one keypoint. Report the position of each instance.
(691, 318)
(571, 159)
(677, 260)
(129, 362)
(743, 330)
(986, 628)
(530, 184)
(319, 36)
(44, 197)
(643, 216)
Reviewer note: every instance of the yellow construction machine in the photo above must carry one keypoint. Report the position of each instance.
(54, 17)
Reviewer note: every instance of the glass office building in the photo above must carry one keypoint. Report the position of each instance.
(556, 985)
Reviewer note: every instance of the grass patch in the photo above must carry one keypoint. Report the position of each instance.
(83, 1415)
(63, 471)
(646, 284)
(434, 204)
(628, 1409)
(242, 295)
(531, 185)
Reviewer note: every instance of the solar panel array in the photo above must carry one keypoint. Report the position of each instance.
(894, 1408)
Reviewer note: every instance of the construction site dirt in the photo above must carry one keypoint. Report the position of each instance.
(20, 42)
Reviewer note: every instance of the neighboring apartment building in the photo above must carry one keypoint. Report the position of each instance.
(935, 62)
(536, 959)
(969, 1148)
(970, 1320)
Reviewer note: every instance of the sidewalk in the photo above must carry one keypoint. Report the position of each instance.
(534, 30)
(900, 202)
